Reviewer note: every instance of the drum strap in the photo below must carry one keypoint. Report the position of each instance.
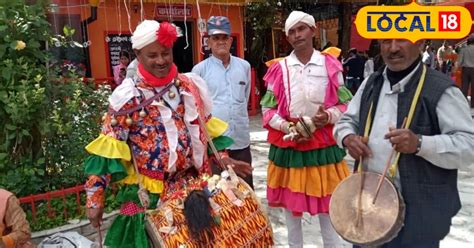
(145, 103)
(368, 124)
(210, 143)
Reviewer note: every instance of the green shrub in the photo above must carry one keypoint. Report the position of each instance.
(46, 120)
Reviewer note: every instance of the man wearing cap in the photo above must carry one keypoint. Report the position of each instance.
(305, 163)
(466, 61)
(152, 128)
(228, 80)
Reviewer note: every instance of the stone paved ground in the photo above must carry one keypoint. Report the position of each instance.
(462, 231)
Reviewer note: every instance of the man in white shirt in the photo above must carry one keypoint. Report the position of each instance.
(228, 80)
(438, 141)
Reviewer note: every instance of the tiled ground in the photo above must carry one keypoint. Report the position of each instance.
(462, 231)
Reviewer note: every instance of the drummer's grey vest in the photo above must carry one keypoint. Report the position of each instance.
(430, 192)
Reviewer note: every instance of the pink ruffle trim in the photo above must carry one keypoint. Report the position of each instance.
(297, 202)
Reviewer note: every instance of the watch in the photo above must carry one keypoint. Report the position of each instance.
(420, 140)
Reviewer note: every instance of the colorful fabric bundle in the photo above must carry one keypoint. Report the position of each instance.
(239, 219)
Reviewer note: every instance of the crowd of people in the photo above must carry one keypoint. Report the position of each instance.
(160, 122)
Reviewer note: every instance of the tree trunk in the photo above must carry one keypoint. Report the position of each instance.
(345, 22)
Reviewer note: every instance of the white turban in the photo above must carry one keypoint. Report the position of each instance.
(145, 34)
(298, 16)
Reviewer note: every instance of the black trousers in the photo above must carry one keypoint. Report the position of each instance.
(468, 79)
(353, 84)
(241, 155)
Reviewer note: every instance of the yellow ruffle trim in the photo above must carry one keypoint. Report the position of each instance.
(108, 147)
(152, 185)
(334, 51)
(273, 61)
(318, 181)
(216, 127)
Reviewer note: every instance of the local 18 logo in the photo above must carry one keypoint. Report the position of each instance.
(413, 22)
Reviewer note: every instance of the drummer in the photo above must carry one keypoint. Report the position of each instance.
(438, 142)
(162, 137)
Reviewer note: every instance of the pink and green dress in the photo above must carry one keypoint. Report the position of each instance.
(167, 140)
(302, 176)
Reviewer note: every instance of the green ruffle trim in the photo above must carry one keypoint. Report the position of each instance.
(290, 158)
(221, 143)
(344, 94)
(129, 193)
(127, 232)
(97, 165)
(269, 100)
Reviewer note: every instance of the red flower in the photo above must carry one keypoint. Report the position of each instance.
(166, 34)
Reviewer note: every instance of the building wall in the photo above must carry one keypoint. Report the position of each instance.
(112, 17)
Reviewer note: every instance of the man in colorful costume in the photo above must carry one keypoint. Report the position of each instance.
(304, 171)
(153, 126)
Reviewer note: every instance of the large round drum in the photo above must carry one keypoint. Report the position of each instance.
(246, 225)
(360, 221)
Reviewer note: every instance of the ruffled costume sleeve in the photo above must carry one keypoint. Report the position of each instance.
(274, 104)
(215, 127)
(337, 95)
(109, 153)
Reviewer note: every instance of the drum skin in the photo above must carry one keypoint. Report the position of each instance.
(378, 223)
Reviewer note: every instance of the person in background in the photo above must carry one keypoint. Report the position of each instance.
(354, 66)
(120, 70)
(305, 165)
(452, 57)
(428, 57)
(228, 80)
(369, 64)
(466, 62)
(443, 56)
(438, 140)
(14, 228)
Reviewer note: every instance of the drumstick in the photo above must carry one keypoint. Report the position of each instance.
(305, 127)
(387, 166)
(211, 143)
(359, 203)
